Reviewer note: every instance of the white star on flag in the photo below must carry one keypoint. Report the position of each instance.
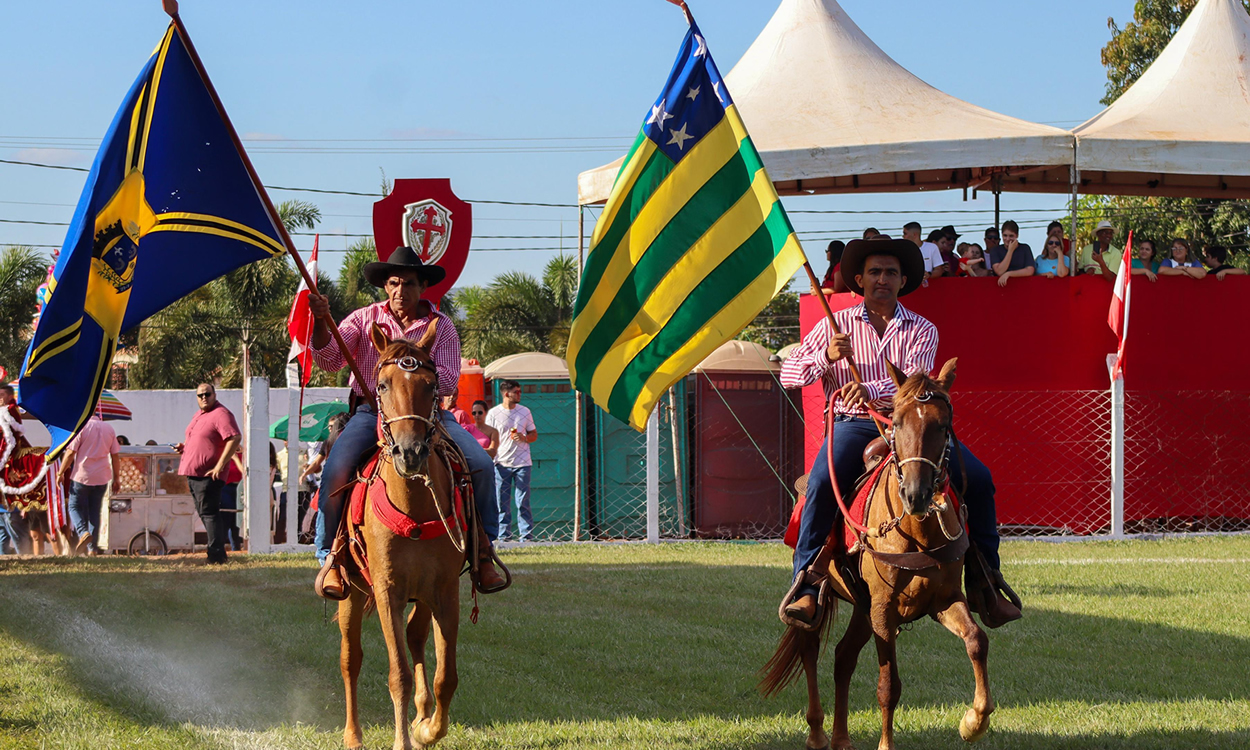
(693, 93)
(716, 90)
(658, 115)
(700, 50)
(679, 137)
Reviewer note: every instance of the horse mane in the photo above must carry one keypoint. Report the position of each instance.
(915, 386)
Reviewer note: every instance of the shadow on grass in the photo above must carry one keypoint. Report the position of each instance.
(249, 647)
(937, 739)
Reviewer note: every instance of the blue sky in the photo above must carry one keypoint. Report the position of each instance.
(509, 99)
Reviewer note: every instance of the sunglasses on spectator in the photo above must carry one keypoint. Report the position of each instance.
(203, 395)
(477, 412)
(1053, 242)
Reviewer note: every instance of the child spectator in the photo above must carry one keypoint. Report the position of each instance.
(972, 261)
(1055, 229)
(1053, 263)
(1182, 262)
(1144, 260)
(1216, 257)
(1012, 258)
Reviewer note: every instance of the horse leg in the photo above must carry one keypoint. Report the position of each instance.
(889, 687)
(446, 631)
(391, 617)
(351, 617)
(958, 619)
(418, 632)
(816, 737)
(858, 631)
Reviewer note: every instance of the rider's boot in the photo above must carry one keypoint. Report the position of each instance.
(331, 582)
(988, 593)
(489, 579)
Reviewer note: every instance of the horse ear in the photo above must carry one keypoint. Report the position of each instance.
(379, 338)
(427, 338)
(898, 376)
(946, 378)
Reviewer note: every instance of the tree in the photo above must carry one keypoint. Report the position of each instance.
(22, 270)
(1126, 57)
(777, 324)
(518, 313)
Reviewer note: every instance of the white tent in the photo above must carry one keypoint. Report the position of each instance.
(1183, 128)
(739, 356)
(830, 112)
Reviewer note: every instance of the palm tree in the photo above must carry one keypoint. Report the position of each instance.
(519, 313)
(22, 270)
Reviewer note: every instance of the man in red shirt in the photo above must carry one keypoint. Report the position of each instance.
(212, 438)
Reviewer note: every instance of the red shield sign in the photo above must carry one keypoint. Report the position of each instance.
(426, 216)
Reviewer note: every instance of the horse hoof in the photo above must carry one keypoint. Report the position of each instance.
(970, 729)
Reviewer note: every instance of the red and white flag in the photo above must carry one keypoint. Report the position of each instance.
(1117, 317)
(300, 322)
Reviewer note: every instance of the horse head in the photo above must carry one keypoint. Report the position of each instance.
(921, 435)
(407, 399)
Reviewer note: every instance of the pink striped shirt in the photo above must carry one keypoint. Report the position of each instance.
(910, 342)
(355, 332)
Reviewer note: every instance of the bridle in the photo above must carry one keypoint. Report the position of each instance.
(407, 363)
(941, 468)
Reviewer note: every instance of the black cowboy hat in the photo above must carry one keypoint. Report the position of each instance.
(909, 257)
(403, 259)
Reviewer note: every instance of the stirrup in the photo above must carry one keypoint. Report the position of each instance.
(823, 601)
(493, 557)
(331, 564)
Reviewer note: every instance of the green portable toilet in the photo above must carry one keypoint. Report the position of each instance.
(545, 390)
(617, 482)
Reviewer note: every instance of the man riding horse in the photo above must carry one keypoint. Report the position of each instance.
(403, 314)
(877, 330)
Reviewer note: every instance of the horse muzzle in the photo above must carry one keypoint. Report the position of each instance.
(917, 495)
(411, 462)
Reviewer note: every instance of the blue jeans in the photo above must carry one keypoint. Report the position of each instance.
(514, 483)
(7, 538)
(850, 437)
(359, 437)
(84, 509)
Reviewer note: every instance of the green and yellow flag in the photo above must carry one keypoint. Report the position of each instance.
(692, 244)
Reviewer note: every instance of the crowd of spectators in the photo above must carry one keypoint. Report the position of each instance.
(1005, 257)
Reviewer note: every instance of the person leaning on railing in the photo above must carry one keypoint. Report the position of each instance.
(1182, 262)
(1012, 258)
(1052, 263)
(1216, 257)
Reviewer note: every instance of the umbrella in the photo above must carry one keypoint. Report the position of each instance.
(111, 407)
(314, 421)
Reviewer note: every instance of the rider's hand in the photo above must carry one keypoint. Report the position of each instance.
(319, 304)
(839, 347)
(853, 394)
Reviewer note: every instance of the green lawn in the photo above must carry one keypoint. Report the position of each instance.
(1124, 645)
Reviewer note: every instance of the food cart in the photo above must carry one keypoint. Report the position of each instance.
(153, 511)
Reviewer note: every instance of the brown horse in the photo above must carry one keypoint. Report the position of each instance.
(911, 567)
(423, 571)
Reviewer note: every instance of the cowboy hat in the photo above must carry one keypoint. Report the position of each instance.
(403, 259)
(909, 258)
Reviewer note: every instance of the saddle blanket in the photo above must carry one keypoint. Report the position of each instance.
(390, 516)
(859, 508)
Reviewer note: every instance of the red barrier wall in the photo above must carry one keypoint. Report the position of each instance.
(1032, 397)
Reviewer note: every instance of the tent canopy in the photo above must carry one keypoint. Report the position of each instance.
(739, 356)
(830, 112)
(528, 365)
(1184, 126)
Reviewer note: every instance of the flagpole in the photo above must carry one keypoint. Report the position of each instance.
(171, 8)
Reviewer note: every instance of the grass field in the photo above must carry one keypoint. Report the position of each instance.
(1124, 645)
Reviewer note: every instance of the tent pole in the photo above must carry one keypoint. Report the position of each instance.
(998, 191)
(1076, 186)
(577, 398)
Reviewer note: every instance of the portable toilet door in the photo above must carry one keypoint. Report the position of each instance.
(741, 444)
(617, 503)
(546, 392)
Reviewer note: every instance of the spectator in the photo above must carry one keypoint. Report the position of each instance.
(1182, 262)
(929, 250)
(1055, 229)
(150, 442)
(277, 498)
(8, 538)
(947, 248)
(1104, 261)
(89, 466)
(449, 404)
(211, 439)
(1052, 262)
(972, 261)
(832, 282)
(335, 426)
(229, 508)
(123, 440)
(1216, 257)
(486, 436)
(871, 232)
(1145, 262)
(991, 241)
(1012, 258)
(512, 461)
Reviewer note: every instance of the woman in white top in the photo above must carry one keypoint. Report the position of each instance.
(1182, 262)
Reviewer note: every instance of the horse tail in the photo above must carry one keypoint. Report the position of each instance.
(787, 662)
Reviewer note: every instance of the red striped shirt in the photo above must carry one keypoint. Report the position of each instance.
(355, 332)
(910, 342)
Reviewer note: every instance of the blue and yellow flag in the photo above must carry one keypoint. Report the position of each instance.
(169, 206)
(692, 244)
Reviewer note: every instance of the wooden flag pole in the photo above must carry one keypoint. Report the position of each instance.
(171, 8)
(811, 276)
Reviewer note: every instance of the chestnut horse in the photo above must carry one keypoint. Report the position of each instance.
(423, 571)
(911, 567)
